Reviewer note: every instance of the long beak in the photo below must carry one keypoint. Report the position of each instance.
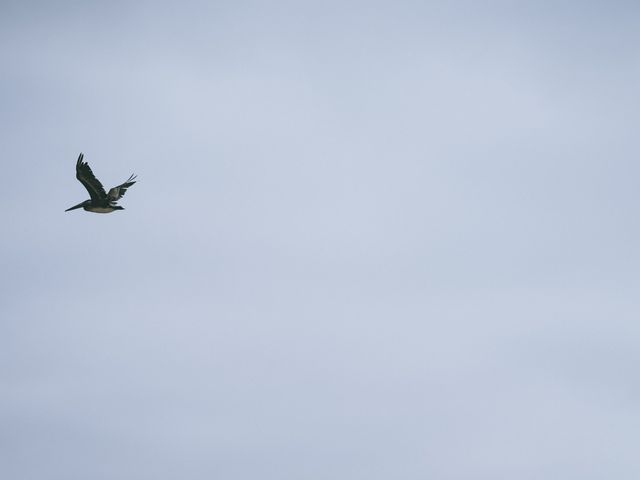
(77, 206)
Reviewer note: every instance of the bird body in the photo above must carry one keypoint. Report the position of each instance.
(89, 207)
(100, 201)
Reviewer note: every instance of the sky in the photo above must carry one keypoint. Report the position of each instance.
(369, 240)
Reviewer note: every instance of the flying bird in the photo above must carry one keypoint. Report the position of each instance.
(100, 201)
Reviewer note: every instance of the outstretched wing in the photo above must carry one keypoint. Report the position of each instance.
(116, 193)
(88, 179)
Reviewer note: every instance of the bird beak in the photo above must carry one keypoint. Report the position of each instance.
(73, 208)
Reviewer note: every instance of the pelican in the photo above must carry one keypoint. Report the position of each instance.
(100, 201)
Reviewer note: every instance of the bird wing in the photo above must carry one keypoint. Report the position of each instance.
(89, 180)
(116, 193)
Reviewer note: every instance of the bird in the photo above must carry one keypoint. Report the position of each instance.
(100, 201)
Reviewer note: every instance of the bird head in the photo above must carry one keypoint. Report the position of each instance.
(86, 202)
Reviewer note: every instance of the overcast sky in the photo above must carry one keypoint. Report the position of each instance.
(369, 240)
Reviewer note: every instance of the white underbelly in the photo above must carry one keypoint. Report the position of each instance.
(99, 209)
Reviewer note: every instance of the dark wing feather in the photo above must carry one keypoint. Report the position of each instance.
(88, 179)
(116, 193)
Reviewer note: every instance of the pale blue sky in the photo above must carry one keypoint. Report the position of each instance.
(370, 240)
